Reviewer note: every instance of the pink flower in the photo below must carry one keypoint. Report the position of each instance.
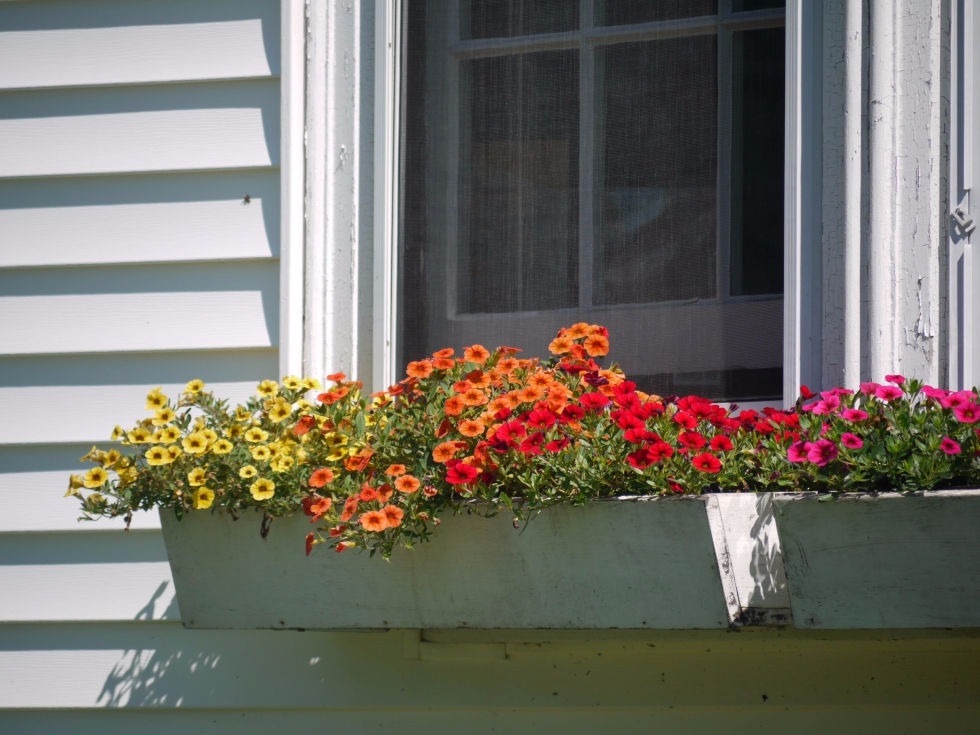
(937, 393)
(949, 446)
(869, 388)
(888, 392)
(854, 414)
(851, 441)
(821, 452)
(952, 400)
(896, 379)
(967, 413)
(797, 452)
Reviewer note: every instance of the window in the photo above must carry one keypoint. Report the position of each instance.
(613, 162)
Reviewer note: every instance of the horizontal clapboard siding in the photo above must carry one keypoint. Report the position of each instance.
(121, 42)
(139, 218)
(135, 308)
(68, 132)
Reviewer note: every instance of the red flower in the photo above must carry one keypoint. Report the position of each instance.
(691, 439)
(460, 473)
(721, 443)
(593, 401)
(310, 540)
(806, 393)
(640, 459)
(685, 419)
(532, 445)
(557, 445)
(660, 450)
(707, 463)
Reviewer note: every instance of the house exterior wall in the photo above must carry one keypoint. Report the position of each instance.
(130, 135)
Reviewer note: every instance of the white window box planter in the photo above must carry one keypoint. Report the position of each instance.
(635, 563)
(886, 561)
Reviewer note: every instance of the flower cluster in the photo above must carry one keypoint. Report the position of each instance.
(492, 432)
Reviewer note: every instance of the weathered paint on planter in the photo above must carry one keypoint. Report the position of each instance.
(885, 561)
(632, 563)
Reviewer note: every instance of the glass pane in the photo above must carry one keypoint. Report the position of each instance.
(502, 18)
(622, 12)
(518, 203)
(740, 5)
(757, 162)
(656, 209)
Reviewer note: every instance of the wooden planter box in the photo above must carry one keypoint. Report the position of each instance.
(632, 563)
(886, 561)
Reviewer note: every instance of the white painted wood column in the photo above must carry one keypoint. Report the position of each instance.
(339, 179)
(885, 198)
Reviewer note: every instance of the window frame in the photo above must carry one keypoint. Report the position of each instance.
(358, 334)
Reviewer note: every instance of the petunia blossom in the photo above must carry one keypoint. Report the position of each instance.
(851, 441)
(949, 446)
(821, 452)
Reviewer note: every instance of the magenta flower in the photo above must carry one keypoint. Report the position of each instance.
(851, 441)
(896, 379)
(854, 414)
(821, 452)
(968, 413)
(888, 392)
(949, 446)
(937, 393)
(959, 398)
(869, 388)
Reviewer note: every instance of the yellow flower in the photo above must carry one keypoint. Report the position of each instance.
(280, 411)
(195, 443)
(281, 463)
(118, 432)
(194, 386)
(156, 456)
(211, 435)
(234, 431)
(267, 388)
(247, 471)
(138, 435)
(263, 489)
(202, 498)
(74, 483)
(110, 458)
(262, 453)
(197, 476)
(173, 451)
(242, 414)
(167, 435)
(292, 382)
(163, 416)
(128, 476)
(95, 477)
(302, 405)
(222, 446)
(337, 453)
(311, 384)
(155, 399)
(255, 435)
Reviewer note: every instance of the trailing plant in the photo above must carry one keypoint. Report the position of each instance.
(491, 432)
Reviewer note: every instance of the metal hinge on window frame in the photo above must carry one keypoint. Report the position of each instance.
(964, 221)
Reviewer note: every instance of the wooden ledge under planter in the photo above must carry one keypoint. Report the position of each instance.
(882, 561)
(624, 563)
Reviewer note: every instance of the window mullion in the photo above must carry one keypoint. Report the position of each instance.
(725, 113)
(588, 133)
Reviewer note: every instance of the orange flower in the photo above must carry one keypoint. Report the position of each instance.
(445, 352)
(462, 386)
(374, 520)
(336, 377)
(508, 364)
(577, 331)
(321, 477)
(359, 461)
(367, 493)
(479, 378)
(474, 397)
(443, 363)
(407, 484)
(470, 427)
(560, 345)
(477, 354)
(350, 508)
(445, 452)
(530, 394)
(597, 345)
(304, 425)
(385, 492)
(540, 379)
(394, 470)
(394, 515)
(454, 405)
(419, 369)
